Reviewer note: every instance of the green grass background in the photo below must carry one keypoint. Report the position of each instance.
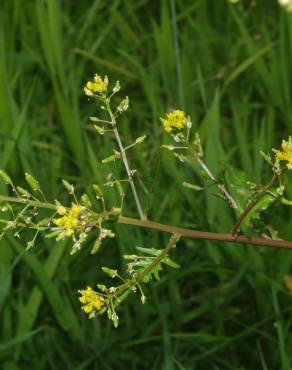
(227, 66)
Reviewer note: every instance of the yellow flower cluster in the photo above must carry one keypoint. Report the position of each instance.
(98, 85)
(91, 301)
(286, 153)
(175, 120)
(69, 220)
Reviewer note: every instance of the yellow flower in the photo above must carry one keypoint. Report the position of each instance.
(175, 120)
(91, 301)
(69, 221)
(98, 85)
(286, 153)
(61, 210)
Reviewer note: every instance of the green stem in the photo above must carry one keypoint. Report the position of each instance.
(32, 203)
(173, 239)
(125, 161)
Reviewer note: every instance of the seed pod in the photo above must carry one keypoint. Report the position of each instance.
(68, 186)
(112, 273)
(96, 246)
(124, 105)
(140, 139)
(98, 191)
(53, 234)
(86, 201)
(23, 192)
(5, 177)
(99, 129)
(32, 182)
(109, 159)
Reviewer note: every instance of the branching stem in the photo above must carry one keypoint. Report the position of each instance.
(188, 233)
(173, 239)
(253, 203)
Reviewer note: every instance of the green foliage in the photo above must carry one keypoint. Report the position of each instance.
(261, 206)
(238, 186)
(138, 264)
(224, 299)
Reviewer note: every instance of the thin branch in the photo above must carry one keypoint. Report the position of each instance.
(208, 172)
(173, 239)
(221, 187)
(125, 161)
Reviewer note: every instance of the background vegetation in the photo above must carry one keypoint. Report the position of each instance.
(229, 67)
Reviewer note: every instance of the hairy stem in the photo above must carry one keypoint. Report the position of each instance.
(125, 161)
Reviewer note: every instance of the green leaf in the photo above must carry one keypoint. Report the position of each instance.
(151, 251)
(153, 273)
(238, 187)
(261, 206)
(168, 261)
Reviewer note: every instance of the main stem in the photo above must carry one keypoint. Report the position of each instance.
(188, 233)
(206, 235)
(125, 161)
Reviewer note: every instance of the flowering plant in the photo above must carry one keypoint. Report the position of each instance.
(89, 213)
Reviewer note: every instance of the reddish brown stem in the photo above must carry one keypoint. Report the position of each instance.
(241, 239)
(206, 235)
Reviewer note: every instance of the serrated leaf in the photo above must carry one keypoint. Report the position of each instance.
(261, 206)
(141, 263)
(151, 251)
(153, 273)
(168, 261)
